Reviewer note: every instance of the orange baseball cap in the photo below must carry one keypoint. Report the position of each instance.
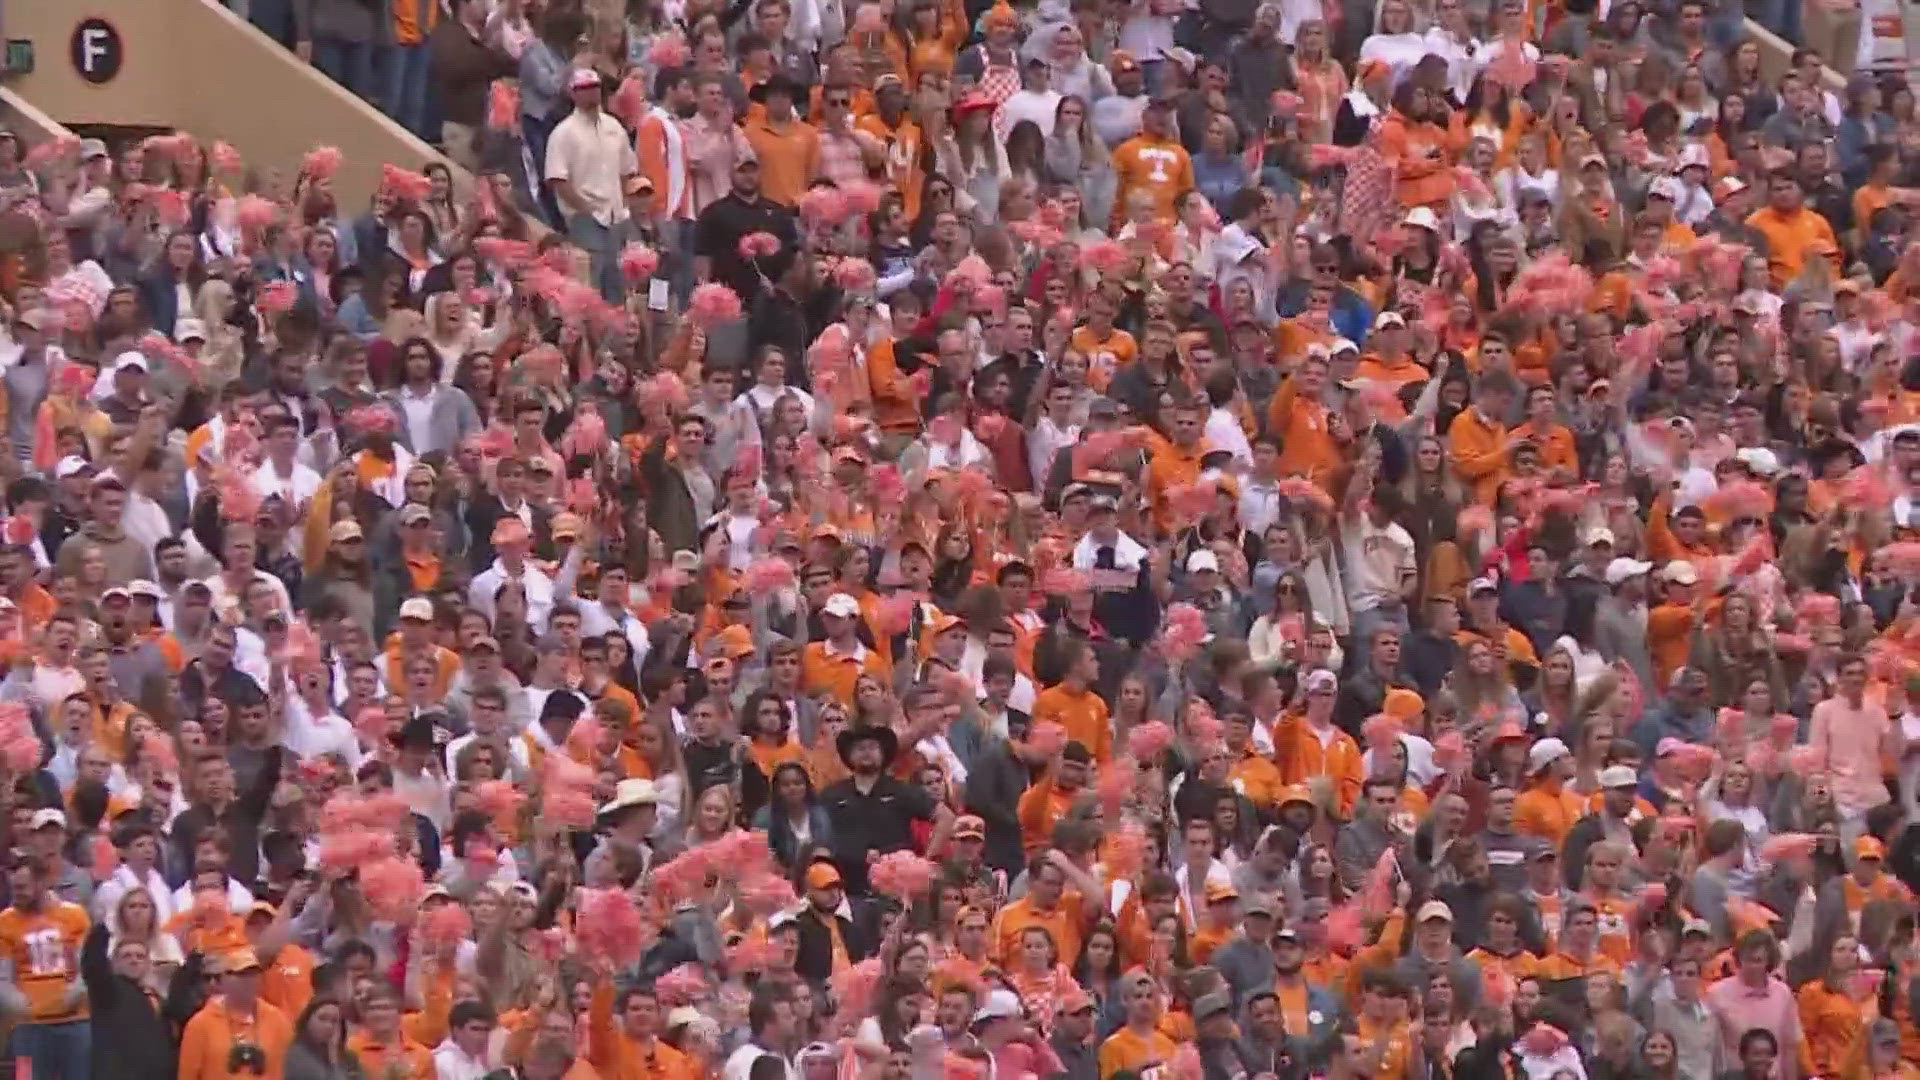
(1869, 847)
(823, 875)
(1402, 704)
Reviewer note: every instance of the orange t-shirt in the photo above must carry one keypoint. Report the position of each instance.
(1127, 1051)
(1063, 922)
(824, 669)
(1083, 714)
(44, 947)
(1105, 355)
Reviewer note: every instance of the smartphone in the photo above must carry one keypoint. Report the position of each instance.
(657, 295)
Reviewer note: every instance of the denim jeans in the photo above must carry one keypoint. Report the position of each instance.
(602, 245)
(349, 63)
(57, 1051)
(406, 97)
(274, 18)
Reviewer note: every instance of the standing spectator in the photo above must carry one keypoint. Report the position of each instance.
(592, 169)
(466, 59)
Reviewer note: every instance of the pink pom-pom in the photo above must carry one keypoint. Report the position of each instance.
(638, 262)
(404, 184)
(766, 893)
(863, 196)
(371, 420)
(1784, 846)
(321, 162)
(759, 245)
(171, 208)
(853, 987)
(1544, 1040)
(1740, 499)
(1126, 848)
(503, 105)
(824, 206)
(608, 927)
(1047, 738)
(254, 214)
(1106, 257)
(1817, 609)
(393, 888)
(629, 101)
(1186, 1062)
(1303, 492)
(1344, 931)
(684, 985)
(751, 953)
(1807, 760)
(1551, 285)
(1380, 732)
(1449, 750)
(1181, 631)
(226, 159)
(1757, 553)
(1376, 893)
(1866, 487)
(498, 798)
(512, 254)
(768, 574)
(158, 750)
(1902, 558)
(353, 847)
(902, 875)
(669, 50)
(667, 388)
(448, 925)
(585, 436)
(713, 304)
(895, 613)
(1065, 581)
(1146, 742)
(1653, 896)
(854, 275)
(568, 809)
(105, 857)
(582, 497)
(276, 297)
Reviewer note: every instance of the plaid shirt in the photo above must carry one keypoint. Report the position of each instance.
(843, 155)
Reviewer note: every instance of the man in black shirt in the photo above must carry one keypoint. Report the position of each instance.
(739, 213)
(711, 760)
(872, 813)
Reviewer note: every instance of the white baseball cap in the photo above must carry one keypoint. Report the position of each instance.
(1546, 752)
(1203, 560)
(999, 1005)
(842, 605)
(1680, 572)
(71, 465)
(1621, 569)
(1618, 776)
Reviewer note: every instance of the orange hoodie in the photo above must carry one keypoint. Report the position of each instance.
(1396, 373)
(1423, 168)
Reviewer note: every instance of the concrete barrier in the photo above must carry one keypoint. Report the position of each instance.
(194, 66)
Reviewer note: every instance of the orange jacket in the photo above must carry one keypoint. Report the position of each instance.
(1423, 167)
(1300, 754)
(1479, 452)
(211, 1034)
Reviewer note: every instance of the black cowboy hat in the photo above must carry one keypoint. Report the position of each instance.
(778, 81)
(853, 736)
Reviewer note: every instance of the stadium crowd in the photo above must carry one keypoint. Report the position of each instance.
(1113, 540)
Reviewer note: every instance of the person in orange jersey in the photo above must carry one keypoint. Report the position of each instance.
(1311, 441)
(1049, 904)
(1152, 162)
(235, 1027)
(1388, 362)
(286, 978)
(631, 1049)
(1052, 795)
(833, 666)
(1547, 809)
(1417, 147)
(1835, 1008)
(1544, 429)
(40, 939)
(787, 146)
(1478, 438)
(1140, 1044)
(1308, 744)
(380, 1041)
(1578, 954)
(1073, 704)
(1218, 923)
(1794, 231)
(1866, 882)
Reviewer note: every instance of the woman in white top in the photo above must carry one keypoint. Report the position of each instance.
(1396, 39)
(135, 918)
(770, 385)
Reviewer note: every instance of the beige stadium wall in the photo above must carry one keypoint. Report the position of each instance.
(194, 66)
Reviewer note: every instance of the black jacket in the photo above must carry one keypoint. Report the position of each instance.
(995, 781)
(132, 1039)
(814, 960)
